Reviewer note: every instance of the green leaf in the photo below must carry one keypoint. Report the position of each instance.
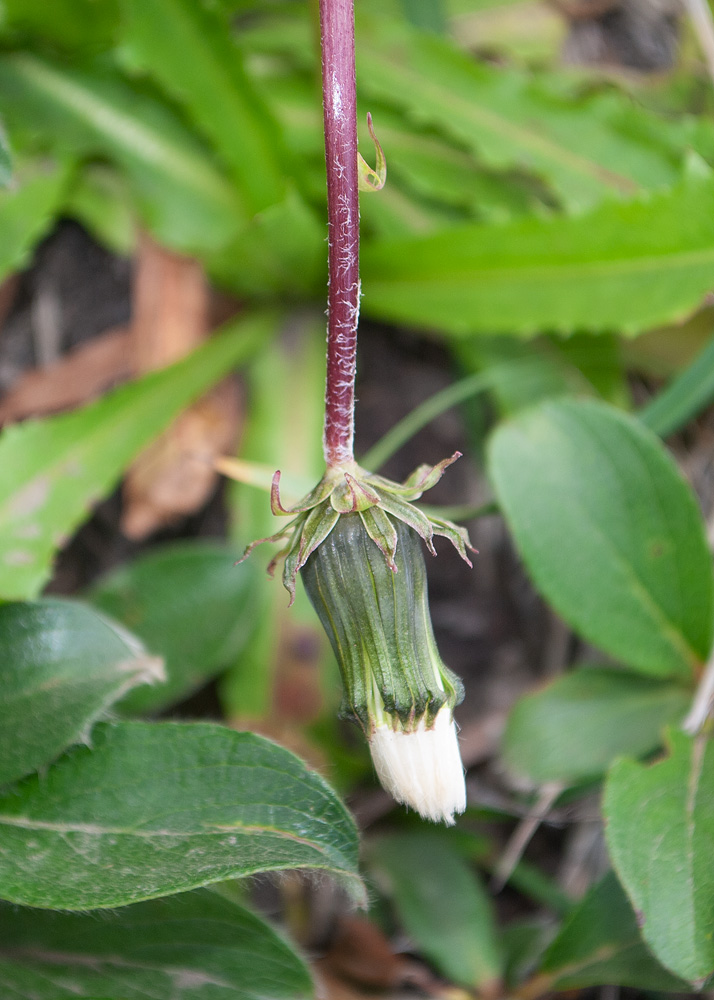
(442, 905)
(157, 808)
(101, 201)
(609, 531)
(55, 469)
(686, 395)
(284, 427)
(600, 943)
(182, 197)
(5, 158)
(190, 603)
(189, 50)
(28, 208)
(79, 25)
(575, 727)
(660, 828)
(620, 267)
(585, 148)
(63, 665)
(189, 947)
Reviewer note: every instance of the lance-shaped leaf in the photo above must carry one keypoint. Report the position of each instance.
(28, 209)
(189, 49)
(63, 665)
(189, 946)
(183, 198)
(609, 531)
(55, 469)
(189, 603)
(585, 149)
(660, 828)
(157, 808)
(624, 266)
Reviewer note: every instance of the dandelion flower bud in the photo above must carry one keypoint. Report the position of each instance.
(395, 684)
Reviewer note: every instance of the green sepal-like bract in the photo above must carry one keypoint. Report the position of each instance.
(379, 503)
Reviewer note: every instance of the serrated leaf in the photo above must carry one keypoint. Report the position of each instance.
(575, 727)
(609, 531)
(442, 905)
(190, 603)
(183, 198)
(188, 48)
(158, 808)
(62, 666)
(600, 943)
(28, 208)
(585, 149)
(183, 948)
(623, 266)
(55, 469)
(660, 828)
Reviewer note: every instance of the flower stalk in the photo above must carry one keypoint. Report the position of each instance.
(355, 538)
(339, 96)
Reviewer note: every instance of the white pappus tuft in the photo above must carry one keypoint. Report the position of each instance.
(422, 768)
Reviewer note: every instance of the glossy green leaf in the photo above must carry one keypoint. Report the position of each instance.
(660, 828)
(623, 266)
(27, 210)
(441, 904)
(190, 603)
(188, 48)
(55, 469)
(585, 148)
(63, 665)
(575, 727)
(188, 204)
(157, 808)
(609, 531)
(600, 943)
(187, 947)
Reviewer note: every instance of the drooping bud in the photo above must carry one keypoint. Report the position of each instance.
(395, 683)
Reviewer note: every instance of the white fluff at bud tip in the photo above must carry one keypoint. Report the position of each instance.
(422, 768)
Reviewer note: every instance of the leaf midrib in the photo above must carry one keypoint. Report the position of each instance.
(474, 273)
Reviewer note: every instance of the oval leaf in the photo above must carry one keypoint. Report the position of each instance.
(190, 946)
(442, 906)
(576, 726)
(660, 830)
(63, 665)
(609, 531)
(154, 809)
(190, 603)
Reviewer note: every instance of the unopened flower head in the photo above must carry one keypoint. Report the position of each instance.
(355, 542)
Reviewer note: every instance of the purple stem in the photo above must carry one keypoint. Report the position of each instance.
(340, 111)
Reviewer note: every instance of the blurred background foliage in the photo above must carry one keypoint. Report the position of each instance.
(545, 244)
